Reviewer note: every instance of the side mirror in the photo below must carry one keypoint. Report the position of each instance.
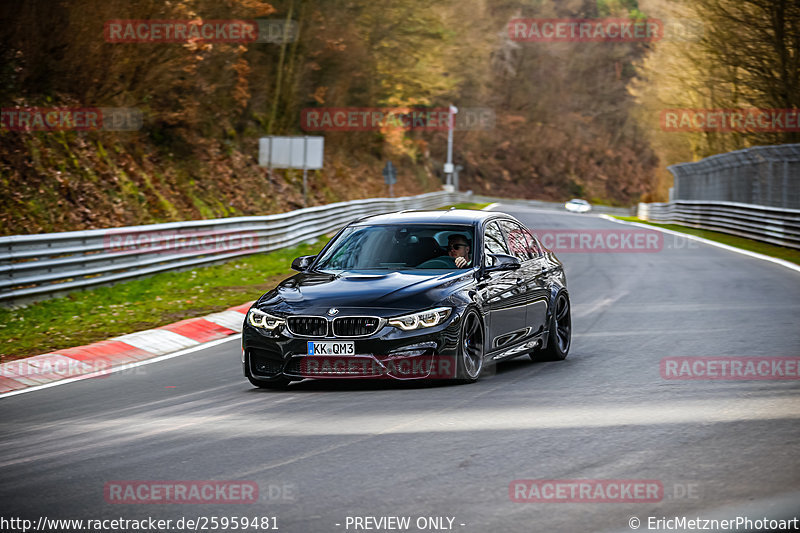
(503, 262)
(302, 263)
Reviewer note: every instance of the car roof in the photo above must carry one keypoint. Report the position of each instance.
(452, 216)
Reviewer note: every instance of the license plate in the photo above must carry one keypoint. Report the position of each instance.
(331, 348)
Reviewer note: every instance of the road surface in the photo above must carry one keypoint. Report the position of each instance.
(324, 451)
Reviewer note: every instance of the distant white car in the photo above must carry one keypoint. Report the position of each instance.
(578, 206)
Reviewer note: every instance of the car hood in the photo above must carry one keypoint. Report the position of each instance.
(384, 294)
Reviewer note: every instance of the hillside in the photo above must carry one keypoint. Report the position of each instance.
(564, 120)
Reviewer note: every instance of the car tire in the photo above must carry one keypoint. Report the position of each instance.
(469, 359)
(559, 338)
(277, 383)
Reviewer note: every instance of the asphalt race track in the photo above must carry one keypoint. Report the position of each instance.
(324, 451)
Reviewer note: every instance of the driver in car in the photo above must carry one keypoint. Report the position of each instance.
(458, 248)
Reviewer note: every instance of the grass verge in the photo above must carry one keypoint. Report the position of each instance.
(771, 250)
(97, 314)
(465, 205)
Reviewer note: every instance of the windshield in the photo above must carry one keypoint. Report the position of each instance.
(399, 247)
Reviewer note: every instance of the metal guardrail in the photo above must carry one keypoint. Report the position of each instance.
(762, 223)
(761, 175)
(36, 267)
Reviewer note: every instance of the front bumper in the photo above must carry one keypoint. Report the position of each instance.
(427, 353)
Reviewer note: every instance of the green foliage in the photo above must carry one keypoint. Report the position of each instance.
(608, 8)
(465, 205)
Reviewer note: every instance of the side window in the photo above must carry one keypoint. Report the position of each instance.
(518, 242)
(493, 242)
(533, 244)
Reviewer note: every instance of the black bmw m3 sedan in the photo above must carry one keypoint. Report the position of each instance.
(411, 295)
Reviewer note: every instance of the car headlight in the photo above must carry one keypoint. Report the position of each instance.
(260, 319)
(423, 319)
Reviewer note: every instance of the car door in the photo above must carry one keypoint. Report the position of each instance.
(532, 275)
(502, 298)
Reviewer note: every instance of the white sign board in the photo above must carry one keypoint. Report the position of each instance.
(291, 152)
(315, 147)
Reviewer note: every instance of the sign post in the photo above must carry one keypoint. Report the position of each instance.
(305, 153)
(305, 172)
(390, 177)
(448, 167)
